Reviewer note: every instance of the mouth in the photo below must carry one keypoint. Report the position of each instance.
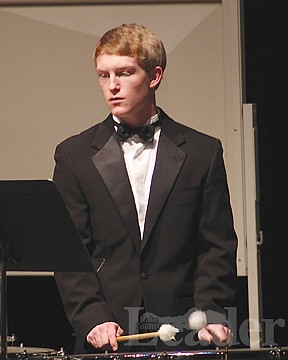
(115, 100)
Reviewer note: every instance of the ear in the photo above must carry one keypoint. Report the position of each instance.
(156, 77)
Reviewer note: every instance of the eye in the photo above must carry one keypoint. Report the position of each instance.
(124, 74)
(103, 75)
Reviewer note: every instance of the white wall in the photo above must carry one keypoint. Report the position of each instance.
(49, 86)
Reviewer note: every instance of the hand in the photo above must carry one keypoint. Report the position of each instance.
(105, 334)
(218, 334)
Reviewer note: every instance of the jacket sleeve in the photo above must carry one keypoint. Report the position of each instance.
(215, 278)
(81, 293)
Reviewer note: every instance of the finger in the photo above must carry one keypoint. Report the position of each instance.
(91, 338)
(105, 334)
(96, 340)
(229, 336)
(119, 331)
(205, 335)
(98, 336)
(102, 338)
(221, 334)
(112, 339)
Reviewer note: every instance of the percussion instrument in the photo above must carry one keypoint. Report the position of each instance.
(218, 354)
(258, 354)
(29, 350)
(24, 352)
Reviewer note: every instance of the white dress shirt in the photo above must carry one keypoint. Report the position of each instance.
(140, 158)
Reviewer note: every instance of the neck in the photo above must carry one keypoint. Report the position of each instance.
(136, 121)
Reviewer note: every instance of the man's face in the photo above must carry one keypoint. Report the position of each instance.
(127, 89)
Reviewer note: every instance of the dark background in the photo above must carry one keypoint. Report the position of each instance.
(35, 313)
(266, 54)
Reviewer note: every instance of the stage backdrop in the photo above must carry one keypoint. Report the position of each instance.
(49, 86)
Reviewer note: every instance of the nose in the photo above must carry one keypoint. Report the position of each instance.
(114, 85)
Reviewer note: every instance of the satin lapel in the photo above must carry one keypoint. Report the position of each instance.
(168, 164)
(110, 164)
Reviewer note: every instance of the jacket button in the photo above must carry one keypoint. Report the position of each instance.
(144, 275)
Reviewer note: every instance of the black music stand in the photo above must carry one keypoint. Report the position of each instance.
(36, 234)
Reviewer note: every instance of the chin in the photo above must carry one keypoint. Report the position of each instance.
(120, 113)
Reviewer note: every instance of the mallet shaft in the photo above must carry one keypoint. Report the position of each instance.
(138, 336)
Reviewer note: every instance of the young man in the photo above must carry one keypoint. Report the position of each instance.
(152, 208)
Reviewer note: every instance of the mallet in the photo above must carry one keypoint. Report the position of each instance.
(197, 320)
(166, 332)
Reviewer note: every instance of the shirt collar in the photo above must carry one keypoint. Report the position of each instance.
(152, 120)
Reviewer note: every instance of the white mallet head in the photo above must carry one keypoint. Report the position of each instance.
(167, 332)
(197, 320)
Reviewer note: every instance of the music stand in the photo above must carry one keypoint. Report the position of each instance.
(36, 234)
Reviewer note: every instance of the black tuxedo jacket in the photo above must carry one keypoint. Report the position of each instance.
(187, 255)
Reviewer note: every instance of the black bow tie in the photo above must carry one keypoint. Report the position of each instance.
(145, 133)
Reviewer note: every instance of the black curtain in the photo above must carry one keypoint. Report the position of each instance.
(266, 56)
